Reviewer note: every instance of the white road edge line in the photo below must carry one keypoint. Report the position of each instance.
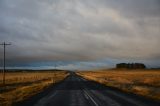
(90, 98)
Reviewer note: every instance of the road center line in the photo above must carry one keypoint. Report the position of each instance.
(91, 98)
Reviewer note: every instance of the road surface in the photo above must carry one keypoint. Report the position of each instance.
(76, 91)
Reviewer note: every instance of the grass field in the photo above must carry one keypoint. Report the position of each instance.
(22, 85)
(141, 82)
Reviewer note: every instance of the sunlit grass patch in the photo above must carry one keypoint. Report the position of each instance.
(20, 86)
(141, 82)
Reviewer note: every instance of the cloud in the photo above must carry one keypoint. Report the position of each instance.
(80, 30)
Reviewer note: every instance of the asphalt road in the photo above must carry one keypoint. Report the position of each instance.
(76, 91)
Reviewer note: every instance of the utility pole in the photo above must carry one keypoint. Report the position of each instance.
(4, 60)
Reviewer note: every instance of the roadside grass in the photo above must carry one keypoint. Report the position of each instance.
(22, 85)
(142, 82)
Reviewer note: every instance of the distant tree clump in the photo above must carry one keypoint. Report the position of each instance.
(131, 65)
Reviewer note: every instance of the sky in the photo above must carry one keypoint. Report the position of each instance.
(80, 34)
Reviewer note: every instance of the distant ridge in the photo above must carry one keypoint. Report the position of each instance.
(30, 70)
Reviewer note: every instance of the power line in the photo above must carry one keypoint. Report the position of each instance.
(4, 60)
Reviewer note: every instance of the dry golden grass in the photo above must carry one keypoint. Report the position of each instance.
(142, 82)
(22, 85)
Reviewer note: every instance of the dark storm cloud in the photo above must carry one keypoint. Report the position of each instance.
(80, 29)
